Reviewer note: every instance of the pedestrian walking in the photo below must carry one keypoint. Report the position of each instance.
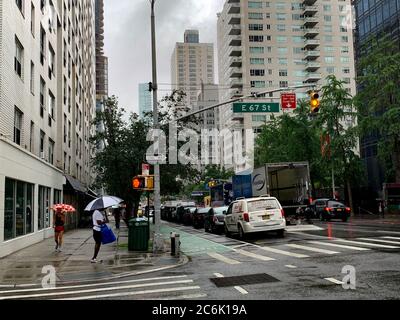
(98, 220)
(59, 222)
(117, 216)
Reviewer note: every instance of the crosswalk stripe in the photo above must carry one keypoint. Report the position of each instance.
(394, 238)
(379, 240)
(126, 294)
(296, 246)
(184, 297)
(220, 257)
(367, 244)
(253, 255)
(285, 253)
(334, 280)
(241, 290)
(53, 294)
(290, 266)
(92, 285)
(339, 245)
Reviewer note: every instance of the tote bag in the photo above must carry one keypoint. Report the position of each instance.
(107, 236)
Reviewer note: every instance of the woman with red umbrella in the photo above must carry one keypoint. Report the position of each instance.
(59, 223)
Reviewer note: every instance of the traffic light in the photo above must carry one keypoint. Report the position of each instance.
(143, 183)
(150, 86)
(314, 102)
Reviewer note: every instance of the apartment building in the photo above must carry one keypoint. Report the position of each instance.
(192, 64)
(47, 103)
(266, 45)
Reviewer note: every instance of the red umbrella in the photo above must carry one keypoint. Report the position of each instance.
(63, 207)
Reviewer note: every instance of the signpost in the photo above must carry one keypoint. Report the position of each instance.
(288, 101)
(256, 107)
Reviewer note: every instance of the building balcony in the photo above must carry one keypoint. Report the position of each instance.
(236, 41)
(236, 72)
(233, 1)
(312, 54)
(309, 2)
(311, 44)
(312, 66)
(235, 31)
(311, 32)
(310, 22)
(312, 77)
(234, 8)
(236, 62)
(236, 83)
(235, 19)
(310, 10)
(237, 117)
(235, 52)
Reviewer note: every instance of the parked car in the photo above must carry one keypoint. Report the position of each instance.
(215, 220)
(187, 218)
(180, 212)
(327, 209)
(199, 217)
(252, 215)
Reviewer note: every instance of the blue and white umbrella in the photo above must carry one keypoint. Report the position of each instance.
(103, 203)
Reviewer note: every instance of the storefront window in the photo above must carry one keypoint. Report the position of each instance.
(9, 210)
(20, 209)
(44, 208)
(29, 208)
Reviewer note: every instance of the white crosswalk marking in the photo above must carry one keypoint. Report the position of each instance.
(220, 257)
(367, 244)
(296, 246)
(379, 240)
(254, 255)
(285, 253)
(334, 280)
(339, 245)
(394, 238)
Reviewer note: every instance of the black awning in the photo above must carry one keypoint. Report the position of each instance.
(76, 184)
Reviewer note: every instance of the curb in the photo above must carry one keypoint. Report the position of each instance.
(182, 261)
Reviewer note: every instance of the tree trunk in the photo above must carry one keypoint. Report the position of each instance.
(350, 195)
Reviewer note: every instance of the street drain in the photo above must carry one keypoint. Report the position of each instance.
(243, 280)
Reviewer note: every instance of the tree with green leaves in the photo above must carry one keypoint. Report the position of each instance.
(337, 119)
(378, 101)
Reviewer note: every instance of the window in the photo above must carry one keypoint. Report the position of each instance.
(330, 70)
(297, 50)
(52, 105)
(257, 27)
(52, 57)
(280, 6)
(259, 118)
(281, 27)
(283, 73)
(20, 5)
(255, 4)
(42, 96)
(256, 38)
(257, 61)
(283, 84)
(257, 72)
(44, 208)
(327, 18)
(257, 84)
(51, 151)
(32, 138)
(344, 38)
(281, 16)
(42, 45)
(297, 39)
(283, 61)
(32, 82)
(282, 50)
(345, 59)
(257, 50)
(42, 136)
(344, 49)
(255, 15)
(17, 125)
(33, 19)
(346, 70)
(328, 38)
(329, 59)
(281, 39)
(18, 59)
(18, 209)
(327, 8)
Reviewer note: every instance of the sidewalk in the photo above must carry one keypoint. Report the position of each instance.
(376, 219)
(73, 263)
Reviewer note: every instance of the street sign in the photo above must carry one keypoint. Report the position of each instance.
(260, 107)
(288, 101)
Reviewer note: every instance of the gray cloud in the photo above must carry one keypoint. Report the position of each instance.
(127, 40)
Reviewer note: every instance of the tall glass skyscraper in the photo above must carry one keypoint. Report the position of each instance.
(145, 99)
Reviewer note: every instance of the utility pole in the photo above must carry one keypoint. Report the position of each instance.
(158, 244)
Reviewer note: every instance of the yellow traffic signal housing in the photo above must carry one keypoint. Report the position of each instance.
(143, 183)
(314, 102)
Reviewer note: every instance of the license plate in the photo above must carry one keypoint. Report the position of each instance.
(339, 210)
(265, 217)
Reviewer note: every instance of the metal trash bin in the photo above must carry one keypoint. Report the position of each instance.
(138, 235)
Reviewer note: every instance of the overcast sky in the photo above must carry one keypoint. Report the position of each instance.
(127, 40)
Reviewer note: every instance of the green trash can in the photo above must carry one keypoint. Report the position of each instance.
(138, 235)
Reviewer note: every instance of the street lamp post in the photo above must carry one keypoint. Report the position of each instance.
(158, 244)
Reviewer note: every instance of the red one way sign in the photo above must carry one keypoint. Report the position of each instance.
(288, 101)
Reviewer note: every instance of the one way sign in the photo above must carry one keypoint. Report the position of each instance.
(288, 101)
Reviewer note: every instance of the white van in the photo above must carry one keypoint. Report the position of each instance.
(255, 215)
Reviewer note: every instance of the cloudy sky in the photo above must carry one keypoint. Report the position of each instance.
(127, 40)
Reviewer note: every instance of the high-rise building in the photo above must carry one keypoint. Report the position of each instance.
(379, 19)
(47, 104)
(145, 99)
(192, 63)
(266, 45)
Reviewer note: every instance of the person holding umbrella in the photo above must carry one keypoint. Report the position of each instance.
(98, 207)
(59, 222)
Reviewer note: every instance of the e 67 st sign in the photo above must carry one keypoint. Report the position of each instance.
(255, 107)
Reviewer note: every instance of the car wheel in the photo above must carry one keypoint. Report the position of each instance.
(281, 233)
(241, 232)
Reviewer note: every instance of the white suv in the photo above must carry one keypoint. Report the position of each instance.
(255, 215)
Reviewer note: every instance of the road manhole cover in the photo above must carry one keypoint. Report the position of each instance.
(243, 280)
